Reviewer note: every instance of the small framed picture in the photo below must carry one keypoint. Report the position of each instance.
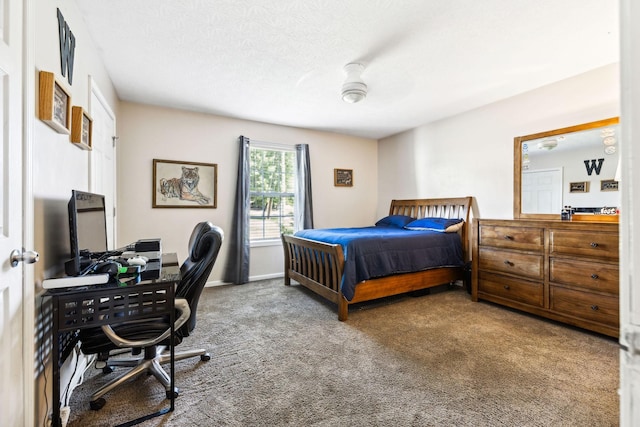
(81, 128)
(54, 106)
(178, 184)
(608, 185)
(343, 177)
(579, 187)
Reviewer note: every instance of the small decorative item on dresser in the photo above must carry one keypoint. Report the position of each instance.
(81, 128)
(579, 187)
(54, 105)
(608, 185)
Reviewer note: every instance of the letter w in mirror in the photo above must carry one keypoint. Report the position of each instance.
(592, 165)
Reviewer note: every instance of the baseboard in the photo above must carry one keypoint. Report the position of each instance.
(213, 283)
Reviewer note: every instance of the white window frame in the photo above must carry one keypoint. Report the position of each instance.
(260, 145)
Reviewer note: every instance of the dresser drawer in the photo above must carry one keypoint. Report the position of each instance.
(589, 275)
(586, 305)
(585, 243)
(513, 289)
(527, 238)
(517, 263)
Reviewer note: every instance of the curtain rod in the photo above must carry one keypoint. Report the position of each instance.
(272, 144)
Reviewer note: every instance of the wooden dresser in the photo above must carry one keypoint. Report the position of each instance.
(562, 270)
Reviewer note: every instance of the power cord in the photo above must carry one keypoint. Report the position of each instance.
(65, 400)
(103, 256)
(44, 370)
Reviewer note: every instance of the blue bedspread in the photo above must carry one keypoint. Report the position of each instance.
(372, 252)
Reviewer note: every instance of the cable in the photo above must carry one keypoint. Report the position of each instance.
(103, 256)
(44, 370)
(88, 268)
(66, 391)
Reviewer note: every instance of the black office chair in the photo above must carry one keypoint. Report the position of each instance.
(151, 336)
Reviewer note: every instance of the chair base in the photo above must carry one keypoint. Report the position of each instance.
(151, 364)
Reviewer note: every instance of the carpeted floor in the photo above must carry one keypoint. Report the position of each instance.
(280, 357)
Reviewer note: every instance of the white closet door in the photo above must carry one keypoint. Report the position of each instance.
(103, 157)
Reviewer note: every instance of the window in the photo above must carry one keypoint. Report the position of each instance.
(271, 192)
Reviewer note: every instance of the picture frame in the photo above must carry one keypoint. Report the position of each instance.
(182, 184)
(579, 187)
(81, 128)
(54, 104)
(343, 177)
(608, 185)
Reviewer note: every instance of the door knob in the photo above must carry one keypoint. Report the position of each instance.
(28, 257)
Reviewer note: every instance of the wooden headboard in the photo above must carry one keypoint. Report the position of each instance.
(456, 207)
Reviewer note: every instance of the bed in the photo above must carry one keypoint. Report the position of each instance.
(319, 263)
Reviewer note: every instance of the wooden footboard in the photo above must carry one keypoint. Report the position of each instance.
(319, 266)
(315, 265)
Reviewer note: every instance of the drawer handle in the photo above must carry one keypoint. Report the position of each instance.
(507, 237)
(594, 244)
(594, 276)
(594, 307)
(509, 263)
(507, 287)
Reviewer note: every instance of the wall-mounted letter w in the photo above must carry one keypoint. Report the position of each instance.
(67, 47)
(591, 166)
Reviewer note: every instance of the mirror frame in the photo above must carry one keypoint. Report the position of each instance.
(517, 163)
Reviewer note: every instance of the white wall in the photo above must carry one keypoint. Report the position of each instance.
(148, 132)
(472, 154)
(58, 166)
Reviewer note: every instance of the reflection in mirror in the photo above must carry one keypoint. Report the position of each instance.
(576, 166)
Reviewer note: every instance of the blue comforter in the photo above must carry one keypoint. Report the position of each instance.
(372, 252)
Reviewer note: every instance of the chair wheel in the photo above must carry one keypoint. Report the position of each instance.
(97, 404)
(175, 393)
(205, 357)
(107, 369)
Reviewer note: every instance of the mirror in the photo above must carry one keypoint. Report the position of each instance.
(575, 166)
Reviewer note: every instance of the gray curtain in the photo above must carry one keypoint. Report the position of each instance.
(304, 205)
(237, 268)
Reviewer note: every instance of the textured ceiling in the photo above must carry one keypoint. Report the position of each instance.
(281, 61)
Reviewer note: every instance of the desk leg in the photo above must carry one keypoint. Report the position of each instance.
(172, 318)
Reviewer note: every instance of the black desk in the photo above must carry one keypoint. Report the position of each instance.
(149, 294)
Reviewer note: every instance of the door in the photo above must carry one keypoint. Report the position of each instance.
(103, 159)
(12, 360)
(630, 216)
(541, 191)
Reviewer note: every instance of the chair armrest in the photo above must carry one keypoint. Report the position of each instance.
(181, 305)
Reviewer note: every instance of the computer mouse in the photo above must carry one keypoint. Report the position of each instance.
(137, 260)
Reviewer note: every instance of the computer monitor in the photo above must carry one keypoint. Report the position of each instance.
(87, 229)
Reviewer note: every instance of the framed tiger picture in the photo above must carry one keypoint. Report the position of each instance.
(178, 184)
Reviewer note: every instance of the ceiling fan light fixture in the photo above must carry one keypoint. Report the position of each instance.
(548, 144)
(354, 89)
